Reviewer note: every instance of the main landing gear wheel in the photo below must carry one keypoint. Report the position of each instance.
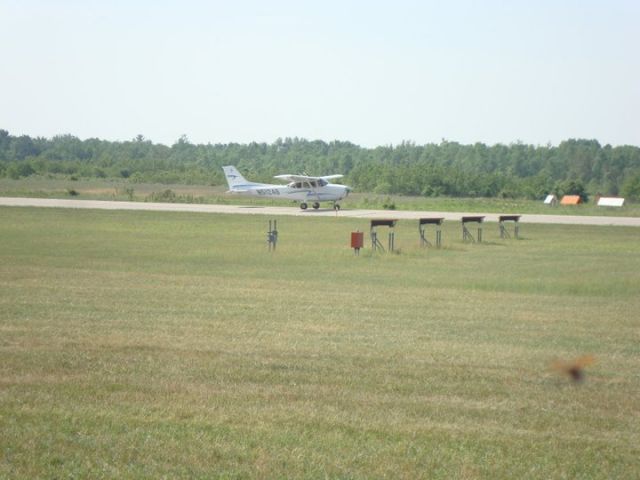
(303, 206)
(316, 206)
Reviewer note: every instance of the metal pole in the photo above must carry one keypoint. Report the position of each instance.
(272, 235)
(275, 234)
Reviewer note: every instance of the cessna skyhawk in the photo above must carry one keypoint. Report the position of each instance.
(301, 188)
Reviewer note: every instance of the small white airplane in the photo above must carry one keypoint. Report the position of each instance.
(301, 188)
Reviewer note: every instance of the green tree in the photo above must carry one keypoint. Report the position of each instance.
(631, 187)
(572, 187)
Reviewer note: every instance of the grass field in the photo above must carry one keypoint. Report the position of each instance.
(93, 189)
(171, 345)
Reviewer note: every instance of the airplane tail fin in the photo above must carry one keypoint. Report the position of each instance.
(234, 177)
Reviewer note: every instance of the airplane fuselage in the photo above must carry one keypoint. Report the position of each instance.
(327, 193)
(301, 188)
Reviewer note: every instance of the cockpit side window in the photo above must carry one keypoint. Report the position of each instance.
(309, 183)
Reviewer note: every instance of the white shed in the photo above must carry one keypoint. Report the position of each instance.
(610, 202)
(551, 200)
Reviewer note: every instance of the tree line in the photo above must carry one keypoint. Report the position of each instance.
(517, 170)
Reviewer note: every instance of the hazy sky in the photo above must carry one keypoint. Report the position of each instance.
(374, 73)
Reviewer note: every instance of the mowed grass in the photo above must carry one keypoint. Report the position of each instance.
(151, 345)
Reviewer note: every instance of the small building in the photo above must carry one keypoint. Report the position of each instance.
(610, 202)
(551, 200)
(571, 200)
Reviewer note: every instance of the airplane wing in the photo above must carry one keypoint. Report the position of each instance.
(303, 178)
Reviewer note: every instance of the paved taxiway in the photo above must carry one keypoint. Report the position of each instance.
(295, 211)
